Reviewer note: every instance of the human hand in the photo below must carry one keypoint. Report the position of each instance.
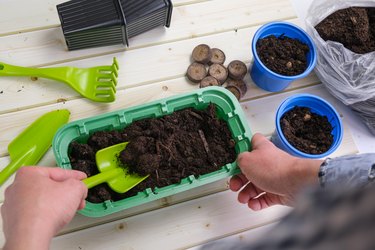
(39, 203)
(270, 176)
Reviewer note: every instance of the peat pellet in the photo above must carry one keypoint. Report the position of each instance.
(219, 72)
(235, 90)
(218, 56)
(237, 70)
(196, 72)
(209, 81)
(202, 54)
(240, 84)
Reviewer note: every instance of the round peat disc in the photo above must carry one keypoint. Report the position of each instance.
(209, 81)
(218, 56)
(219, 72)
(196, 72)
(202, 54)
(240, 84)
(236, 91)
(237, 70)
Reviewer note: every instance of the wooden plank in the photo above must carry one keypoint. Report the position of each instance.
(19, 16)
(183, 225)
(347, 147)
(188, 219)
(246, 237)
(260, 114)
(137, 68)
(176, 227)
(13, 123)
(188, 21)
(81, 223)
(40, 14)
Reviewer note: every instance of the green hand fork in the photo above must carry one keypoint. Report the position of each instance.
(96, 83)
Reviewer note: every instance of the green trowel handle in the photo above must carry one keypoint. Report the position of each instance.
(100, 178)
(13, 167)
(57, 73)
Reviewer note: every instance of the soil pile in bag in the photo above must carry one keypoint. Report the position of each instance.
(353, 27)
(344, 34)
(170, 148)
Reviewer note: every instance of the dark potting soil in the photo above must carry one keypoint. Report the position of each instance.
(283, 55)
(306, 131)
(170, 148)
(353, 27)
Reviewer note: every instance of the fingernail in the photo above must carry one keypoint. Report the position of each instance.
(254, 205)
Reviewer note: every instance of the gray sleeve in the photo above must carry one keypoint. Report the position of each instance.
(349, 171)
(338, 217)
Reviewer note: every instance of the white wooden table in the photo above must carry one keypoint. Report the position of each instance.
(152, 68)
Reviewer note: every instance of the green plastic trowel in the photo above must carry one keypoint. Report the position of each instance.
(30, 146)
(111, 171)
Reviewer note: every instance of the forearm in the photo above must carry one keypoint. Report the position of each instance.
(304, 173)
(348, 171)
(29, 233)
(307, 170)
(342, 172)
(26, 243)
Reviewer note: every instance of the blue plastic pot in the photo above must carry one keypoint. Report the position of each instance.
(318, 106)
(267, 79)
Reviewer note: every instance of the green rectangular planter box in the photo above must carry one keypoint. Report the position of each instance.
(227, 108)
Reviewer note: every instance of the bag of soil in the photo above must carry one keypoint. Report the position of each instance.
(348, 75)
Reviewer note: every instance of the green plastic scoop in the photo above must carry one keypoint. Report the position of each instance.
(111, 171)
(29, 146)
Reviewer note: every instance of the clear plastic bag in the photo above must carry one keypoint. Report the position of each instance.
(350, 77)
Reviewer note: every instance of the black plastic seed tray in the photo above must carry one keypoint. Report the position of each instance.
(94, 23)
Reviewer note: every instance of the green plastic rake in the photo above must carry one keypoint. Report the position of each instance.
(97, 83)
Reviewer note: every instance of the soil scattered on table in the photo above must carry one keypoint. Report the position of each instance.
(307, 131)
(283, 55)
(353, 27)
(170, 148)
